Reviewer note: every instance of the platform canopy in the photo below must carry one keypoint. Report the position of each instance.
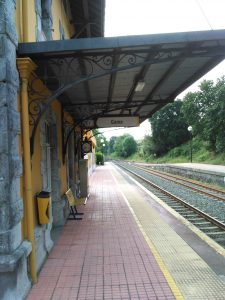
(88, 17)
(123, 76)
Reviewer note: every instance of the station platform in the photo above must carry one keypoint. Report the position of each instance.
(205, 167)
(128, 247)
(213, 174)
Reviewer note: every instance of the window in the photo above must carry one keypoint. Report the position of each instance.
(44, 19)
(47, 159)
(66, 6)
(61, 31)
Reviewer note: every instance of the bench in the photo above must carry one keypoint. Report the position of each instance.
(73, 202)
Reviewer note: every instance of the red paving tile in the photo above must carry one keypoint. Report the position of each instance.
(104, 256)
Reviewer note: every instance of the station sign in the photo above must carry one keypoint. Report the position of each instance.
(112, 121)
(105, 122)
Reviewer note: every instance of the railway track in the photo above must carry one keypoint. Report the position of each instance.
(199, 187)
(208, 222)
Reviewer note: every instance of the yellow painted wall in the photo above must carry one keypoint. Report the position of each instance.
(36, 171)
(56, 106)
(36, 159)
(26, 20)
(59, 15)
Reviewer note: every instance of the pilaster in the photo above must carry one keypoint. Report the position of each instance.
(13, 251)
(25, 67)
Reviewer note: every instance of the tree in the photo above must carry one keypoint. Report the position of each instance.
(125, 145)
(205, 111)
(118, 146)
(169, 128)
(146, 146)
(129, 146)
(111, 144)
(102, 143)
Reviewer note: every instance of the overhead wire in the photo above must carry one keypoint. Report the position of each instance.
(203, 13)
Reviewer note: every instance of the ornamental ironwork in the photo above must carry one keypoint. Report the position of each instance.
(56, 76)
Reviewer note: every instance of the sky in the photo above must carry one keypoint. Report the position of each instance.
(135, 17)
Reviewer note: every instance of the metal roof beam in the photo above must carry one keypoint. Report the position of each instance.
(77, 34)
(136, 102)
(87, 17)
(95, 9)
(86, 83)
(167, 74)
(93, 44)
(139, 77)
(187, 83)
(81, 63)
(197, 75)
(112, 79)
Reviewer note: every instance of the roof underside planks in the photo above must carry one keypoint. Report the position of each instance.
(106, 71)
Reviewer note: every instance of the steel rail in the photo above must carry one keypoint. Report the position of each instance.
(179, 200)
(168, 177)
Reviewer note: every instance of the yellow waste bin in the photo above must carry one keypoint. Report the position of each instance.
(44, 206)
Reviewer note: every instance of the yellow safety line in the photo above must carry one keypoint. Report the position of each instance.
(177, 293)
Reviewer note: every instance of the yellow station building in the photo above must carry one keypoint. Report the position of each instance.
(24, 241)
(59, 79)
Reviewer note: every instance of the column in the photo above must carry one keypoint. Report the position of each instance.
(14, 282)
(25, 67)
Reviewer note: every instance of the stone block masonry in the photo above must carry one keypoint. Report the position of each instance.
(14, 282)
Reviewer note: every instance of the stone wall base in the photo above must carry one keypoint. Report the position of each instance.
(43, 244)
(59, 212)
(14, 282)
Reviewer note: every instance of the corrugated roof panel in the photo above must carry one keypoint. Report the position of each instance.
(107, 70)
(90, 12)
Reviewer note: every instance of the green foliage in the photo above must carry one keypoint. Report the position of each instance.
(169, 128)
(118, 147)
(146, 147)
(129, 146)
(181, 154)
(99, 158)
(102, 143)
(122, 146)
(111, 144)
(204, 110)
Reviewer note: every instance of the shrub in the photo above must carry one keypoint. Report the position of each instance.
(99, 158)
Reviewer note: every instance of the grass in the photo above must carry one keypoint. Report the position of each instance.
(181, 154)
(200, 154)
